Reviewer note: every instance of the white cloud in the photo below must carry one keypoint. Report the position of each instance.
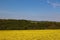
(9, 14)
(54, 4)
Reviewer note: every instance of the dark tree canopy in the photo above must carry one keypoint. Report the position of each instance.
(12, 24)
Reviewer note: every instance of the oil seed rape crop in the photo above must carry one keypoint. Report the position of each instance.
(29, 34)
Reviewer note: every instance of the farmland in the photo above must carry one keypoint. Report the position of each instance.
(29, 34)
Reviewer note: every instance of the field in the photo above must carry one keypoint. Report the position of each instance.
(29, 34)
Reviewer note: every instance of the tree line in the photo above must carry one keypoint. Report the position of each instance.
(13, 24)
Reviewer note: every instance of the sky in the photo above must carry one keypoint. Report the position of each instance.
(39, 10)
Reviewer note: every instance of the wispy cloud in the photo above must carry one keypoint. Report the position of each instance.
(54, 4)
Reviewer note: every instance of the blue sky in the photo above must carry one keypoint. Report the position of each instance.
(40, 10)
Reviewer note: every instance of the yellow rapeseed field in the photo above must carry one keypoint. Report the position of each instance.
(29, 34)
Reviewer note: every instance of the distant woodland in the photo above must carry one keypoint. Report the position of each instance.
(13, 24)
